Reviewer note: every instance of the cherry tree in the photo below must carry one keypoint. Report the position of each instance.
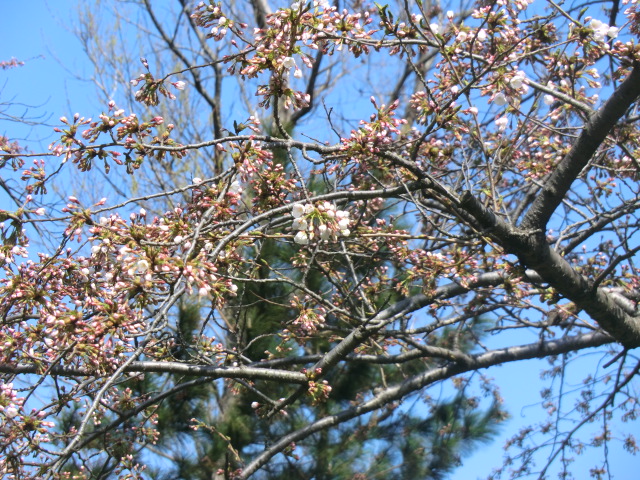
(481, 211)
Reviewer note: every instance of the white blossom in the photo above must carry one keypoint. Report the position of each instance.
(11, 411)
(501, 123)
(299, 224)
(301, 238)
(500, 99)
(298, 210)
(142, 266)
(235, 187)
(289, 63)
(596, 24)
(325, 232)
(601, 30)
(518, 80)
(549, 99)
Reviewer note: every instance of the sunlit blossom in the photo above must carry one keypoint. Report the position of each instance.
(500, 99)
(502, 123)
(11, 412)
(325, 232)
(289, 63)
(602, 30)
(518, 80)
(299, 224)
(142, 266)
(301, 238)
(462, 36)
(298, 210)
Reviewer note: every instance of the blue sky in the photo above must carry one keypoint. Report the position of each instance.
(45, 88)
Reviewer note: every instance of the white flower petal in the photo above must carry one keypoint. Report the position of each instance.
(301, 238)
(500, 99)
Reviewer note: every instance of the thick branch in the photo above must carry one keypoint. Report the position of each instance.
(535, 253)
(594, 133)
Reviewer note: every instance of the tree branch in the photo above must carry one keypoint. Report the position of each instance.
(594, 133)
(397, 392)
(535, 253)
(252, 373)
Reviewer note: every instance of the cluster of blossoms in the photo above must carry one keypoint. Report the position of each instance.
(602, 30)
(10, 404)
(310, 317)
(289, 63)
(517, 83)
(21, 433)
(6, 64)
(316, 26)
(323, 221)
(129, 131)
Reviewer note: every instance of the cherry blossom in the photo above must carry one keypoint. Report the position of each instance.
(488, 186)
